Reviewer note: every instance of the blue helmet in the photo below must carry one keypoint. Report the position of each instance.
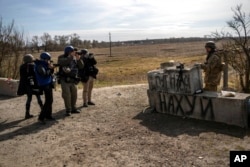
(68, 49)
(45, 56)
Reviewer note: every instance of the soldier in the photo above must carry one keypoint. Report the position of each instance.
(69, 64)
(212, 67)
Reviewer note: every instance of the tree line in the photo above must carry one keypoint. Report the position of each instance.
(57, 43)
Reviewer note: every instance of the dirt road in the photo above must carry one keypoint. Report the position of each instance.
(113, 133)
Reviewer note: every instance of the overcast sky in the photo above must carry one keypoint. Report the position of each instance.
(123, 19)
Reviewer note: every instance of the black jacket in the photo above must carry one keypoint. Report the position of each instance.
(89, 68)
(28, 83)
(66, 61)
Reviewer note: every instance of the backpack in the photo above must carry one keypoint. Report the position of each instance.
(84, 77)
(28, 81)
(93, 71)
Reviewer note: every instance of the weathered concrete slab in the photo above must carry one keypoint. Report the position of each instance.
(206, 106)
(176, 80)
(8, 86)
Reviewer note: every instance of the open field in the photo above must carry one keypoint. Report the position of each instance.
(130, 64)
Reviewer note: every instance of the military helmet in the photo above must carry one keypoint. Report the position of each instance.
(210, 44)
(45, 56)
(28, 58)
(68, 49)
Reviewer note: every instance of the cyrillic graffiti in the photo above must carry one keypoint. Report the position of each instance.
(186, 105)
(208, 107)
(176, 82)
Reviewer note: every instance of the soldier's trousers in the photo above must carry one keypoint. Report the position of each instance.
(210, 87)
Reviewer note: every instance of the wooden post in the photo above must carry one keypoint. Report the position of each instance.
(225, 71)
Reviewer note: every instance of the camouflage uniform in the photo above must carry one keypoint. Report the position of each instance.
(213, 70)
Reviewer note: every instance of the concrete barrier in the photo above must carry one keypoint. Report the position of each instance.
(166, 96)
(206, 106)
(174, 80)
(8, 86)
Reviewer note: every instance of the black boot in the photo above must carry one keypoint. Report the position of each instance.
(28, 115)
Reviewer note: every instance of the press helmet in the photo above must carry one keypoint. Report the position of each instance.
(45, 56)
(84, 51)
(68, 49)
(210, 44)
(28, 58)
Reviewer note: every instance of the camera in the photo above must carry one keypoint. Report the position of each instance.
(181, 66)
(79, 53)
(56, 65)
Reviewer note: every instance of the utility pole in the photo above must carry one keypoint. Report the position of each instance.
(110, 44)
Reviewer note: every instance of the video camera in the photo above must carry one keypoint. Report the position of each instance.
(181, 66)
(55, 65)
(79, 53)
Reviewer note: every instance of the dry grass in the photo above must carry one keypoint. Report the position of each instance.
(130, 64)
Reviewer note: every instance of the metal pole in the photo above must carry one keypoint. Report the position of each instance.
(110, 44)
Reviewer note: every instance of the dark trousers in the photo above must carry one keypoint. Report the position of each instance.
(47, 107)
(29, 99)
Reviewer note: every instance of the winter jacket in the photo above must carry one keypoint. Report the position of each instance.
(89, 68)
(28, 83)
(43, 73)
(73, 66)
